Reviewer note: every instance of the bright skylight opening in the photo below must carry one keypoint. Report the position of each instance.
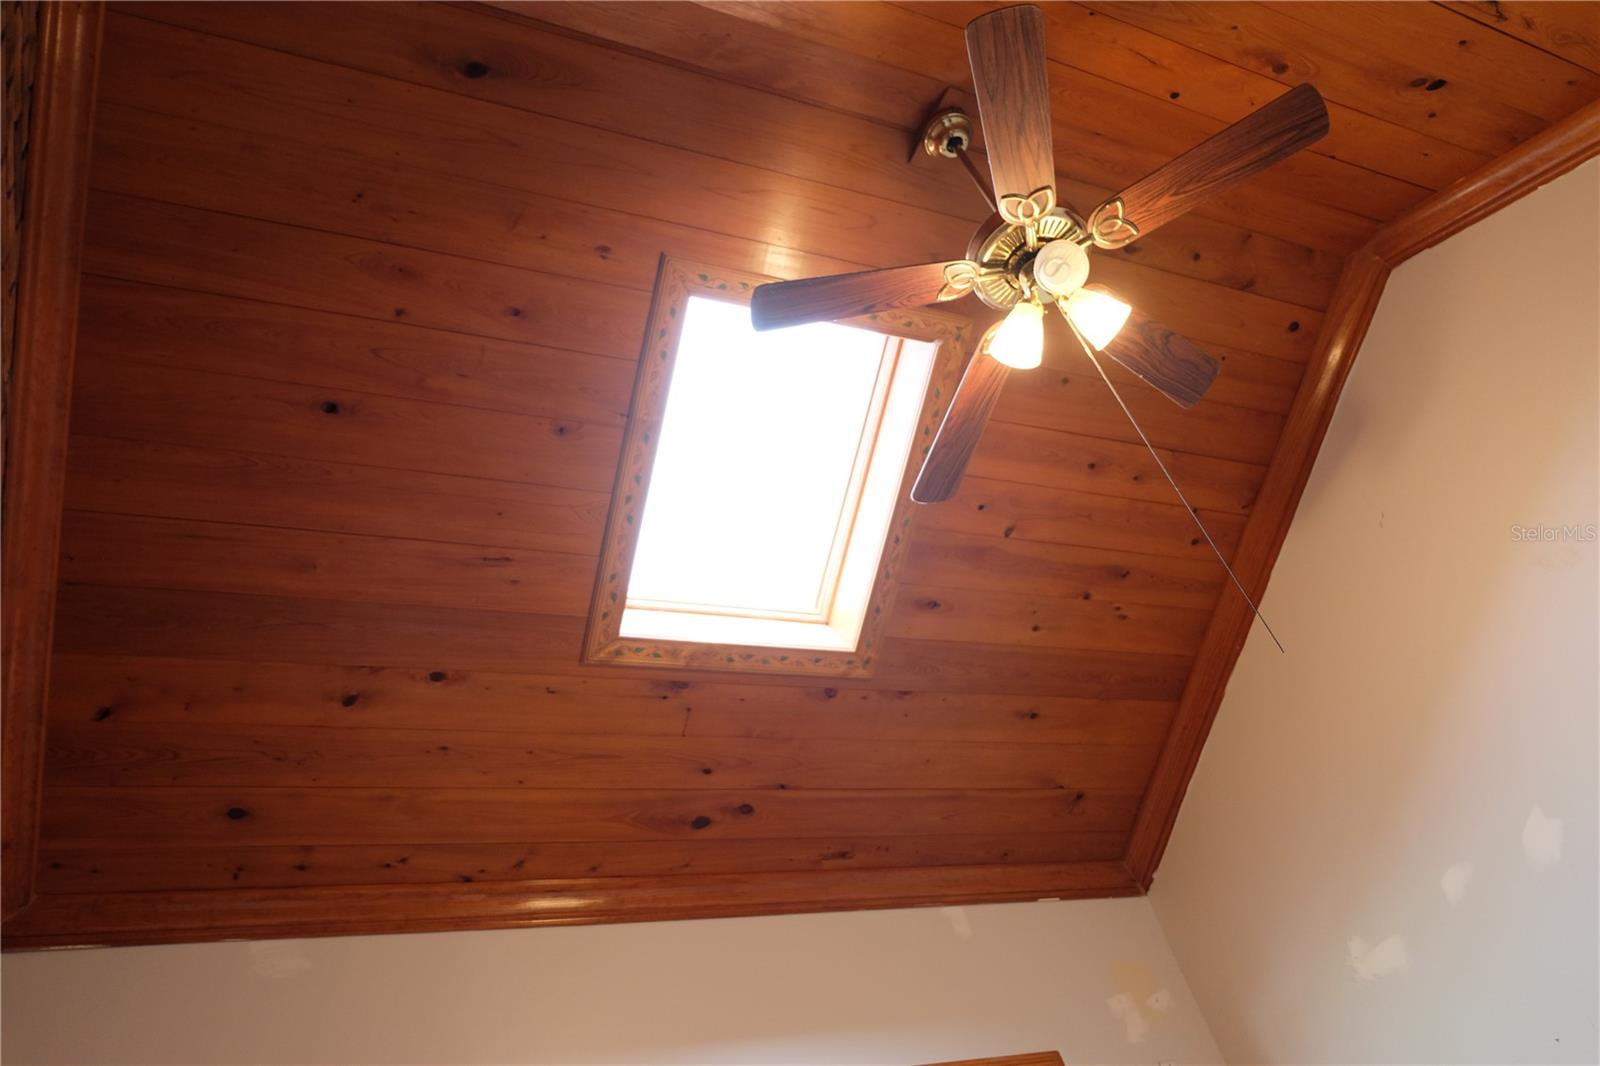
(778, 466)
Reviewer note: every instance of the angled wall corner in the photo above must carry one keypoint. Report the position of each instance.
(1387, 852)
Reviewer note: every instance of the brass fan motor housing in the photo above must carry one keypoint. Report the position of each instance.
(1003, 254)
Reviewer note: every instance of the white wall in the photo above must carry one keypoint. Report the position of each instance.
(1437, 706)
(905, 986)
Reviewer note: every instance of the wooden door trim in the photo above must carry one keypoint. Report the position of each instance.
(1037, 1058)
(38, 401)
(1537, 161)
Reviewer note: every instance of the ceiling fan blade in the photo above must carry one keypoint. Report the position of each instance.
(1006, 49)
(790, 303)
(1255, 142)
(963, 424)
(1167, 361)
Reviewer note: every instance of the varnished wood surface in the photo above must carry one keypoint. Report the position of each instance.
(824, 299)
(38, 390)
(343, 910)
(1272, 133)
(961, 429)
(363, 296)
(1042, 1058)
(1168, 361)
(1006, 51)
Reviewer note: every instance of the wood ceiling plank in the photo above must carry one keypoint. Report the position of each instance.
(1208, 250)
(92, 689)
(221, 82)
(261, 178)
(1213, 313)
(974, 562)
(1084, 98)
(1338, 197)
(1568, 30)
(724, 44)
(1090, 464)
(130, 552)
(298, 180)
(1030, 515)
(1079, 402)
(167, 623)
(184, 329)
(527, 66)
(166, 480)
(1251, 381)
(1093, 150)
(196, 409)
(121, 754)
(1384, 75)
(442, 130)
(107, 869)
(164, 244)
(904, 663)
(1483, 62)
(1012, 534)
(934, 612)
(200, 331)
(302, 182)
(748, 53)
(109, 549)
(185, 817)
(1172, 72)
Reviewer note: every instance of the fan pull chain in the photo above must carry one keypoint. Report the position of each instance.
(1089, 351)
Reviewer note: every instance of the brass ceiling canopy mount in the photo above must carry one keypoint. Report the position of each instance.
(1016, 248)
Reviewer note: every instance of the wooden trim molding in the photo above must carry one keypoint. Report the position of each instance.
(676, 282)
(1037, 1058)
(1535, 162)
(86, 920)
(38, 398)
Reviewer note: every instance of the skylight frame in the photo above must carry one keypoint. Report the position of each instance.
(676, 282)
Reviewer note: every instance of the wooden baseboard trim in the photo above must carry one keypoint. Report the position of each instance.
(1537, 161)
(226, 914)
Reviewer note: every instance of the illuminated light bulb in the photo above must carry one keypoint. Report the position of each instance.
(1099, 316)
(1018, 341)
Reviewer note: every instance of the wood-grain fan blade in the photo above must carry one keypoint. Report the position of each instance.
(963, 424)
(1006, 49)
(1255, 142)
(1167, 361)
(791, 303)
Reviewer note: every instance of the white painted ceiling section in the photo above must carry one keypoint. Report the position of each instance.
(1388, 852)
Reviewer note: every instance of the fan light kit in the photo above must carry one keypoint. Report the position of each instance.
(1035, 251)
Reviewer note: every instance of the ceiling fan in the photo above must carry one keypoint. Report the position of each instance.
(1035, 251)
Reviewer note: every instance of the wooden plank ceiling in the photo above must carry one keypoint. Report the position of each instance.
(363, 293)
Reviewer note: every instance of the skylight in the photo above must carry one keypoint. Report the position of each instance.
(779, 465)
